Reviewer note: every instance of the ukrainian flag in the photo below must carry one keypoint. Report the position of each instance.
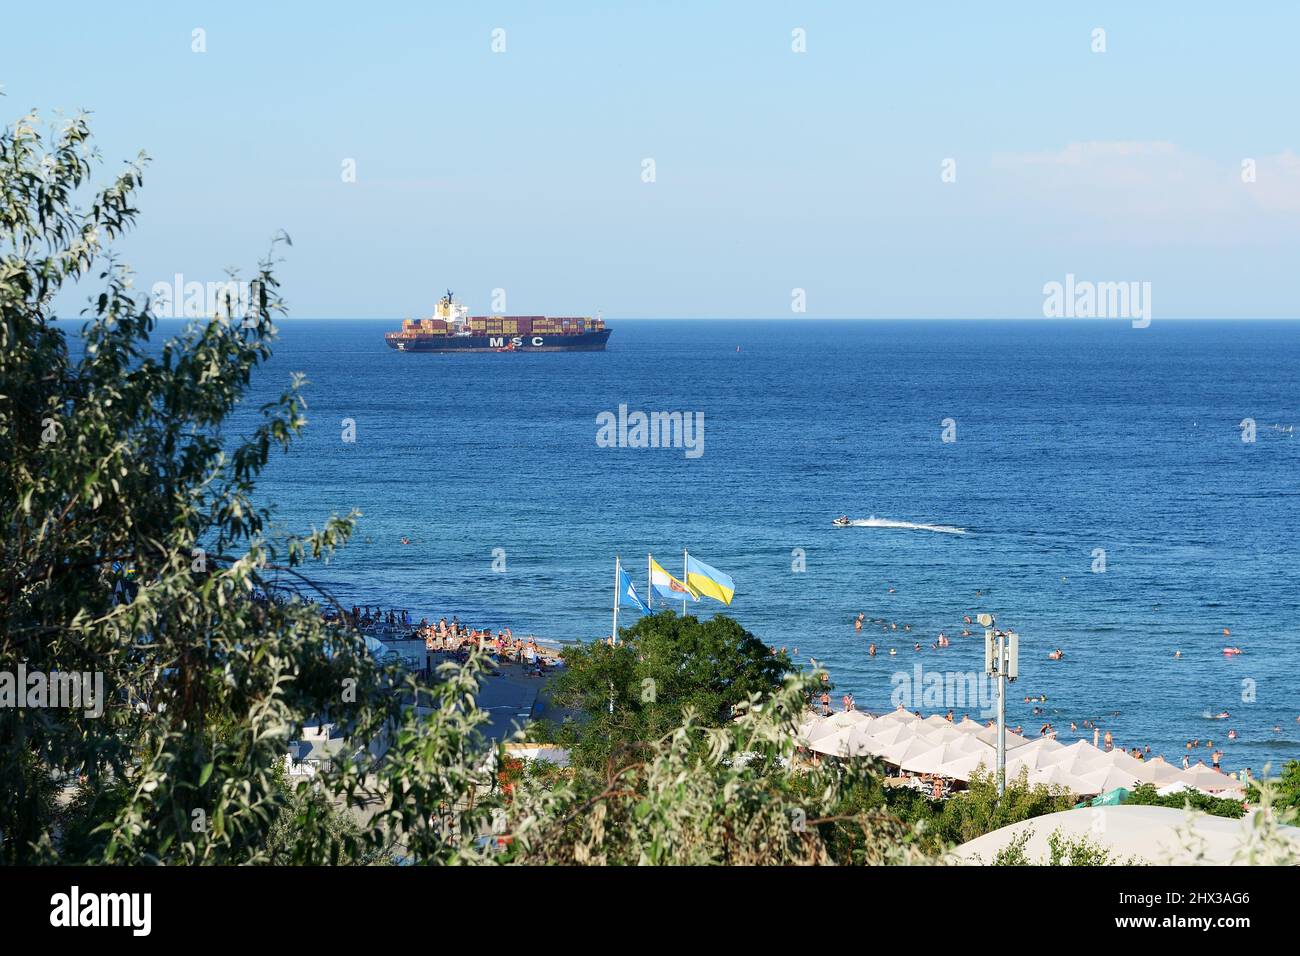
(709, 581)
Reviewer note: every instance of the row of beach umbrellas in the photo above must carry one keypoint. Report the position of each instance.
(956, 749)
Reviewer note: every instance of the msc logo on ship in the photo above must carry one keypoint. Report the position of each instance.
(499, 341)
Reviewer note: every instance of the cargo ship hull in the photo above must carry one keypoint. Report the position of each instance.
(592, 341)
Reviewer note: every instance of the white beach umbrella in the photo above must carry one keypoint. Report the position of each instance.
(823, 726)
(901, 715)
(943, 734)
(1105, 780)
(1207, 778)
(934, 759)
(1055, 776)
(890, 734)
(964, 767)
(989, 735)
(1159, 772)
(1122, 760)
(1027, 762)
(845, 742)
(902, 751)
(1069, 753)
(1046, 745)
(1035, 754)
(966, 725)
(860, 743)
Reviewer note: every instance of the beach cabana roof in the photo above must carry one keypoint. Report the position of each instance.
(1151, 834)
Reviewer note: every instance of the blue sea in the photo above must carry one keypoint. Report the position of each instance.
(1069, 437)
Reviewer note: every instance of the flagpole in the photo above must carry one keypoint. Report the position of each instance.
(686, 583)
(614, 634)
(649, 589)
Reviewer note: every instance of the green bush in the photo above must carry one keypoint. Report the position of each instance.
(1145, 795)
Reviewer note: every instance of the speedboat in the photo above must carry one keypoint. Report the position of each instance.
(842, 521)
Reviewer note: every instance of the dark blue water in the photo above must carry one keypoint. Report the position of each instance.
(1070, 437)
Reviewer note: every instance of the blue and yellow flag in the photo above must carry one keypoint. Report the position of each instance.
(709, 581)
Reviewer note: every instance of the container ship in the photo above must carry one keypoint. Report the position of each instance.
(453, 329)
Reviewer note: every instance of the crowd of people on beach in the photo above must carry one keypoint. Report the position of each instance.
(452, 637)
(459, 639)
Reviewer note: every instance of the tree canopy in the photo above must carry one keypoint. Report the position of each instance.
(663, 666)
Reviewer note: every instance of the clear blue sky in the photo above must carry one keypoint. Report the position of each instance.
(775, 170)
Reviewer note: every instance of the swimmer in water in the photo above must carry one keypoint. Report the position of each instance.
(1056, 655)
(871, 649)
(857, 624)
(1177, 654)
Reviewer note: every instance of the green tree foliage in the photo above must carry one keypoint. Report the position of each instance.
(733, 800)
(1285, 788)
(1145, 795)
(967, 814)
(114, 463)
(663, 666)
(1062, 850)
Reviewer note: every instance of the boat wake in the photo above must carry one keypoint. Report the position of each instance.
(874, 522)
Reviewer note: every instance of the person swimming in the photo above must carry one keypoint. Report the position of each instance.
(1056, 655)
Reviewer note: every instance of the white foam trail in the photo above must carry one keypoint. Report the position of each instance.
(908, 525)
